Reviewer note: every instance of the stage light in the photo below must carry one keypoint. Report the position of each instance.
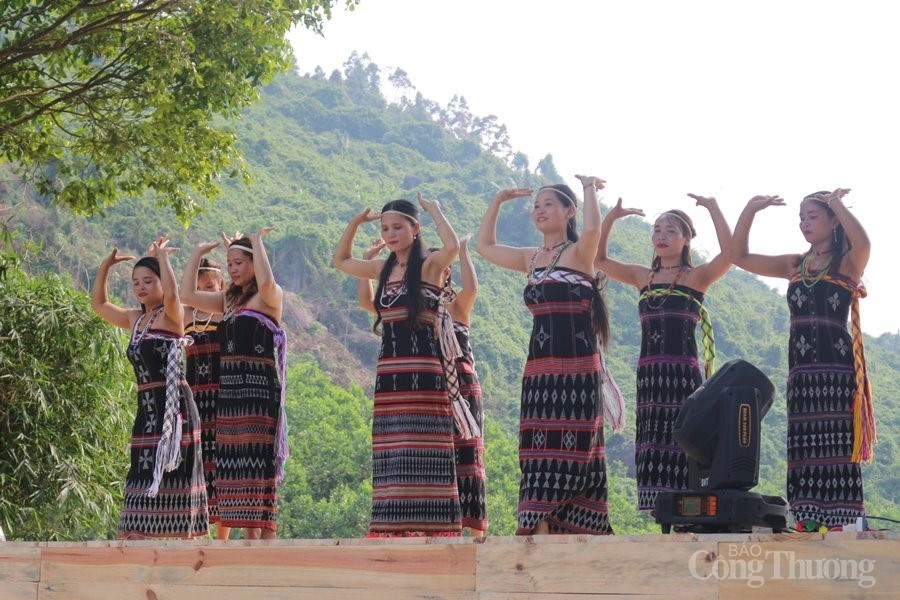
(718, 427)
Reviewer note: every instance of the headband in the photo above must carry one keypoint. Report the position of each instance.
(560, 192)
(216, 269)
(680, 218)
(240, 247)
(401, 213)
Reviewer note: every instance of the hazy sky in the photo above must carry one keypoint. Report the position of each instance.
(662, 98)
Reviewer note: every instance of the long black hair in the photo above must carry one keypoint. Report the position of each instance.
(150, 262)
(235, 295)
(413, 267)
(599, 311)
(841, 244)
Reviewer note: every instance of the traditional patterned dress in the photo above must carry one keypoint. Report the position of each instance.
(165, 493)
(561, 449)
(668, 371)
(470, 474)
(250, 442)
(823, 482)
(414, 489)
(202, 374)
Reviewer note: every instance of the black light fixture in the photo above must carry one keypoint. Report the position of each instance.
(718, 427)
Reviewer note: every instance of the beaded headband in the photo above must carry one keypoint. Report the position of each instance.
(680, 218)
(560, 192)
(401, 213)
(241, 247)
(216, 269)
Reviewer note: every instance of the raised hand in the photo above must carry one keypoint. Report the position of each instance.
(704, 201)
(591, 181)
(205, 247)
(366, 216)
(618, 211)
(115, 258)
(510, 193)
(160, 247)
(255, 237)
(428, 205)
(228, 240)
(465, 239)
(837, 194)
(757, 203)
(374, 249)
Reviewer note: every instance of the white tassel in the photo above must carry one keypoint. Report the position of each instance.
(465, 420)
(613, 403)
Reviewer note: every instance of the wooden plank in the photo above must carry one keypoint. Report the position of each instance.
(422, 566)
(554, 566)
(838, 566)
(499, 568)
(636, 595)
(19, 563)
(20, 570)
(18, 590)
(108, 591)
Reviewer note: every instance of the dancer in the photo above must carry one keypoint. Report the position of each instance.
(670, 306)
(165, 493)
(469, 449)
(831, 424)
(251, 434)
(563, 488)
(202, 374)
(413, 471)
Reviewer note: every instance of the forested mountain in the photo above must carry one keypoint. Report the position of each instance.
(320, 148)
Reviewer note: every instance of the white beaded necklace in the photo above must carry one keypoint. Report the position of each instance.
(532, 278)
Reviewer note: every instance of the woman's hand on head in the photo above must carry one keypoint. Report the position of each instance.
(837, 194)
(228, 240)
(510, 193)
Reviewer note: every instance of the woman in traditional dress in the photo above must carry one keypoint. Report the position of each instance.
(831, 425)
(562, 456)
(469, 445)
(670, 306)
(202, 374)
(251, 433)
(165, 493)
(413, 471)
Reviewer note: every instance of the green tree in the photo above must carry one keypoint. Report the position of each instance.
(113, 98)
(327, 488)
(64, 413)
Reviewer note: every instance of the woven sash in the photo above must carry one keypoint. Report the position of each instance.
(168, 449)
(864, 435)
(466, 424)
(706, 331)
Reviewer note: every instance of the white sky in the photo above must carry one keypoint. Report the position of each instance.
(664, 97)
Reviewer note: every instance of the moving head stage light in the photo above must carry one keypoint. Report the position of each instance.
(718, 427)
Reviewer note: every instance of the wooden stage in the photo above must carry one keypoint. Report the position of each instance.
(690, 566)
